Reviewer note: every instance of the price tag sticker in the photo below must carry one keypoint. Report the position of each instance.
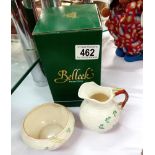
(87, 52)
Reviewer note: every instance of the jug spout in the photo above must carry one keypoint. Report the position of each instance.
(86, 89)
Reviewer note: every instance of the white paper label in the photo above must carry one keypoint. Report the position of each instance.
(87, 52)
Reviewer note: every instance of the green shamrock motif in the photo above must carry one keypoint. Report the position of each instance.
(116, 89)
(68, 130)
(108, 119)
(114, 113)
(101, 126)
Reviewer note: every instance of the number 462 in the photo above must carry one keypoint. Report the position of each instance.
(87, 52)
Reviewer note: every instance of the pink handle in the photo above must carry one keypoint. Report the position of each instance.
(118, 91)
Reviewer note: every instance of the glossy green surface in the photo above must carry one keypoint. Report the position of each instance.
(57, 54)
(68, 18)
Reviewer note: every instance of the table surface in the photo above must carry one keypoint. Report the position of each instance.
(124, 139)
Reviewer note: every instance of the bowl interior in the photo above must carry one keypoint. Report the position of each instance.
(52, 116)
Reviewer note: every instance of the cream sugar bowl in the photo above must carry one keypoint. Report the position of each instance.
(48, 126)
(99, 111)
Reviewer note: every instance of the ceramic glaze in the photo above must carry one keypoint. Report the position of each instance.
(48, 126)
(98, 115)
(49, 131)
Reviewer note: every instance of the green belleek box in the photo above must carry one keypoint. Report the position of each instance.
(69, 42)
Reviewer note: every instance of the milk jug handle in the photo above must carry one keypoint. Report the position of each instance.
(118, 91)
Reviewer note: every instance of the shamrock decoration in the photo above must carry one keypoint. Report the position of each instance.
(101, 126)
(68, 130)
(107, 119)
(114, 113)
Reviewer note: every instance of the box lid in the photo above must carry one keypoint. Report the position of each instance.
(68, 18)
